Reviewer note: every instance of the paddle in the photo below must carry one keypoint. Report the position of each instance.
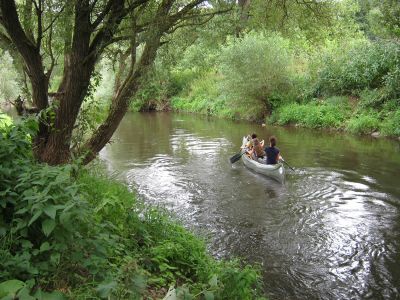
(237, 156)
(284, 161)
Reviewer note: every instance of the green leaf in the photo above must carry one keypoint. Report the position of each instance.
(55, 295)
(48, 226)
(21, 211)
(24, 294)
(10, 287)
(26, 244)
(35, 217)
(105, 289)
(208, 295)
(44, 247)
(214, 281)
(51, 211)
(55, 258)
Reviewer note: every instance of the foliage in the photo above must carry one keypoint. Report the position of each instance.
(201, 97)
(254, 69)
(159, 85)
(361, 65)
(383, 17)
(90, 237)
(314, 20)
(391, 124)
(314, 115)
(93, 110)
(9, 88)
(363, 123)
(4, 120)
(44, 219)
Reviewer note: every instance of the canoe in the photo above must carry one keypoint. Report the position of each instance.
(276, 172)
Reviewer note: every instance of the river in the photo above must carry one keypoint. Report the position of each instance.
(332, 231)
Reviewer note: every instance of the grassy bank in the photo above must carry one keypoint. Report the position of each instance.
(334, 113)
(69, 234)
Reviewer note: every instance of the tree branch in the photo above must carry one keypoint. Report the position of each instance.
(173, 29)
(102, 15)
(104, 36)
(39, 13)
(51, 54)
(54, 19)
(173, 18)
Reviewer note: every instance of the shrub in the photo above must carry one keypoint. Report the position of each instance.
(255, 68)
(371, 99)
(312, 115)
(363, 123)
(362, 65)
(45, 226)
(391, 124)
(4, 120)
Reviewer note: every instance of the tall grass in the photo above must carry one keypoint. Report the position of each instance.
(313, 115)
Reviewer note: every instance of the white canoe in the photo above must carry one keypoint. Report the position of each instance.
(276, 172)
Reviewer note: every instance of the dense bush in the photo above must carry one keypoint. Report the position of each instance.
(45, 227)
(255, 69)
(201, 98)
(363, 123)
(391, 124)
(361, 65)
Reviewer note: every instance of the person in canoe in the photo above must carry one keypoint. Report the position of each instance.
(272, 152)
(258, 151)
(250, 139)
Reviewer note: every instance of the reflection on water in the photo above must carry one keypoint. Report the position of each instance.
(331, 232)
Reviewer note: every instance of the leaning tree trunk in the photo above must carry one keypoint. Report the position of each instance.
(122, 97)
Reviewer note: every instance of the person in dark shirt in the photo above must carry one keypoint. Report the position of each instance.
(272, 152)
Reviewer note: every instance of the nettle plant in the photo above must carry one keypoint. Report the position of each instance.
(43, 218)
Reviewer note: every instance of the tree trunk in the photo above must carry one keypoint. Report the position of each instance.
(122, 97)
(78, 69)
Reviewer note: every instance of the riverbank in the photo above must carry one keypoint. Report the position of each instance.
(335, 113)
(349, 85)
(69, 233)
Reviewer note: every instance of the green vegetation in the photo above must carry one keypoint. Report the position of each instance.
(339, 71)
(65, 230)
(313, 115)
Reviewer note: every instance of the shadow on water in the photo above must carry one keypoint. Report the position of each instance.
(330, 232)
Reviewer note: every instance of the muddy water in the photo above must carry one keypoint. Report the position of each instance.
(332, 231)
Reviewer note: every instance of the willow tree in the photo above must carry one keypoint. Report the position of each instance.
(75, 34)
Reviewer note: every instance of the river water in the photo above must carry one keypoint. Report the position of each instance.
(332, 231)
